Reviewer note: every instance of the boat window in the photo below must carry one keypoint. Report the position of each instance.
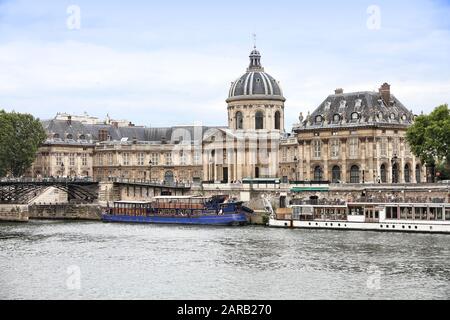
(439, 213)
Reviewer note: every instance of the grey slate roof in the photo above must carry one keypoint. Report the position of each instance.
(60, 131)
(357, 109)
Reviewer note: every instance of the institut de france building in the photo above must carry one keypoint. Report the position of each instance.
(350, 138)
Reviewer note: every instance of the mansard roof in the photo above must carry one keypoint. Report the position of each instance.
(357, 109)
(75, 132)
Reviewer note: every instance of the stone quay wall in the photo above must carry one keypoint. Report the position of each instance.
(13, 213)
(66, 212)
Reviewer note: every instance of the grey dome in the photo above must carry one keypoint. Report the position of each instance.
(255, 83)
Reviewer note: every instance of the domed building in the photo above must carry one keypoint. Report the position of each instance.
(255, 100)
(249, 147)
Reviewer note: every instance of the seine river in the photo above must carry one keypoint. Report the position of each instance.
(88, 260)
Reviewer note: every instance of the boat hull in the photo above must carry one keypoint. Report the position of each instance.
(217, 220)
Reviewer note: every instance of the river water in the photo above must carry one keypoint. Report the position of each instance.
(92, 260)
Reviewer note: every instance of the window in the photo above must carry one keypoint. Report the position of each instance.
(336, 174)
(335, 146)
(183, 158)
(69, 136)
(197, 157)
(383, 173)
(353, 147)
(418, 175)
(71, 159)
(317, 149)
(318, 173)
(155, 159)
(407, 174)
(59, 160)
(395, 144)
(383, 147)
(336, 118)
(239, 120)
(259, 120)
(284, 155)
(319, 119)
(141, 158)
(277, 120)
(355, 116)
(110, 159)
(354, 174)
(395, 173)
(126, 159)
(84, 159)
(168, 157)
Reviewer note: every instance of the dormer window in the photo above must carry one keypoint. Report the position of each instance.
(327, 105)
(336, 118)
(392, 116)
(69, 137)
(404, 117)
(319, 119)
(342, 105)
(355, 116)
(358, 103)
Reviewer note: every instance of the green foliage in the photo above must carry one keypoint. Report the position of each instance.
(20, 137)
(429, 137)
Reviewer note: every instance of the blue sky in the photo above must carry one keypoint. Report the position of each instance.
(172, 62)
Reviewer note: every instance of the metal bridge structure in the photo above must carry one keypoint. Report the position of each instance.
(22, 191)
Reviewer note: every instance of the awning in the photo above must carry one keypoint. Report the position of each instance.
(310, 189)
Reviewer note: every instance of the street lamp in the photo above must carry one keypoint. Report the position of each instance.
(394, 172)
(296, 169)
(150, 163)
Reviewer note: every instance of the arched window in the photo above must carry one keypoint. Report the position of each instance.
(407, 174)
(354, 174)
(383, 175)
(395, 173)
(277, 120)
(56, 136)
(418, 175)
(336, 118)
(259, 120)
(355, 116)
(69, 136)
(318, 174)
(239, 120)
(336, 174)
(168, 177)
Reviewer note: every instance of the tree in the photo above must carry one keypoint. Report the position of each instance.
(429, 137)
(20, 137)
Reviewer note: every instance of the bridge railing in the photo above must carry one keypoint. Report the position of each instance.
(47, 179)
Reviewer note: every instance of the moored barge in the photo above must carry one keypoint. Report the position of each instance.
(188, 210)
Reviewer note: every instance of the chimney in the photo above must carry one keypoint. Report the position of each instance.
(69, 120)
(385, 91)
(339, 91)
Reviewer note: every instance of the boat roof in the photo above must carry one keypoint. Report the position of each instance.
(132, 202)
(179, 197)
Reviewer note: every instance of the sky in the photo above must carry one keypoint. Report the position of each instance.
(164, 63)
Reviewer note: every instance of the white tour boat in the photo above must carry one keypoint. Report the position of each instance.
(400, 217)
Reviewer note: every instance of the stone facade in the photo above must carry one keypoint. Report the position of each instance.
(350, 138)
